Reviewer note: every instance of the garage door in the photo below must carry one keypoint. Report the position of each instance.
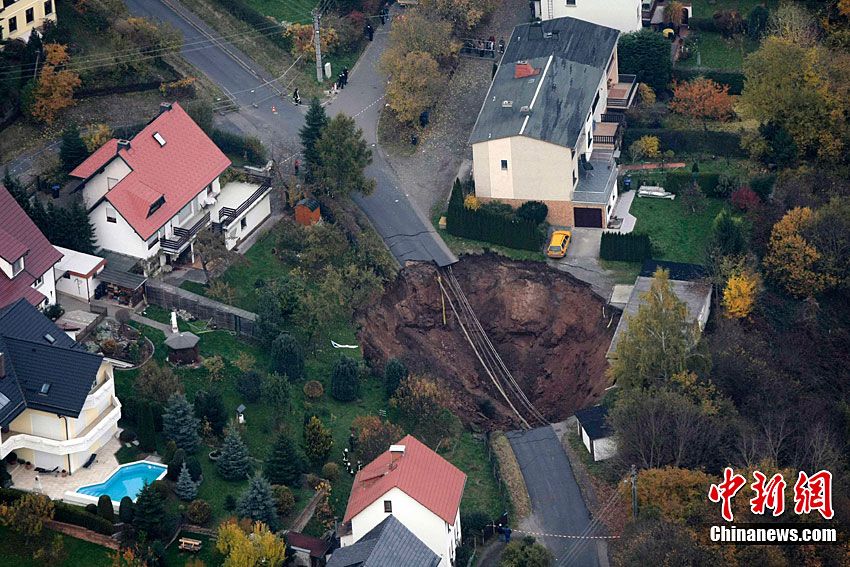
(591, 218)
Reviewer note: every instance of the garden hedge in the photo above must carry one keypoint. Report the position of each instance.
(65, 513)
(485, 225)
(703, 24)
(248, 146)
(726, 144)
(675, 181)
(734, 79)
(629, 247)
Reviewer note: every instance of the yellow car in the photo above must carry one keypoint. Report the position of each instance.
(558, 244)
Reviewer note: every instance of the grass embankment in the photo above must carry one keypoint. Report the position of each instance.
(511, 475)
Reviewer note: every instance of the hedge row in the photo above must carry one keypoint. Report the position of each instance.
(726, 144)
(253, 18)
(675, 181)
(248, 146)
(703, 24)
(629, 247)
(66, 513)
(491, 227)
(734, 79)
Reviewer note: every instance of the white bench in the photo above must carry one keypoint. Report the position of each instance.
(655, 191)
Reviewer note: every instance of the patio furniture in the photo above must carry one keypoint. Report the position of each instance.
(188, 544)
(90, 461)
(46, 471)
(655, 191)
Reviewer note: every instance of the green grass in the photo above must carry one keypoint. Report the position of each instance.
(707, 8)
(717, 52)
(481, 492)
(624, 272)
(77, 553)
(207, 554)
(460, 246)
(292, 11)
(679, 236)
(194, 287)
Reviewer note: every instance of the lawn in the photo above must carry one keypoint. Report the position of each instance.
(678, 236)
(717, 52)
(460, 246)
(207, 554)
(290, 11)
(77, 553)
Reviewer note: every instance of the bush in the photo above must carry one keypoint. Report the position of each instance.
(74, 515)
(195, 470)
(175, 464)
(703, 24)
(199, 512)
(314, 390)
(284, 499)
(313, 480)
(91, 509)
(726, 185)
(734, 79)
(535, 211)
(463, 554)
(330, 471)
(230, 503)
(726, 144)
(288, 357)
(105, 509)
(126, 510)
(248, 147)
(12, 458)
(127, 436)
(763, 185)
(345, 380)
(629, 247)
(473, 523)
(394, 372)
(5, 477)
(250, 386)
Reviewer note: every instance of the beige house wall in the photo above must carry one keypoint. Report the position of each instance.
(535, 170)
(18, 10)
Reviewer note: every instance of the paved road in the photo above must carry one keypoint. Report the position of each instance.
(556, 501)
(407, 232)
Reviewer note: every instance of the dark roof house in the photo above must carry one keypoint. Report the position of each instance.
(41, 367)
(594, 421)
(387, 544)
(20, 239)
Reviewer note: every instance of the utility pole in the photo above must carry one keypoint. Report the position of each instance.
(317, 41)
(634, 493)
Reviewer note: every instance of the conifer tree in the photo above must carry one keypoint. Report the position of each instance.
(285, 464)
(234, 462)
(126, 510)
(314, 122)
(176, 464)
(258, 503)
(186, 489)
(345, 380)
(72, 151)
(147, 431)
(180, 424)
(149, 512)
(288, 357)
(318, 441)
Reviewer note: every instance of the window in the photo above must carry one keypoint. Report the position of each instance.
(185, 212)
(504, 165)
(13, 24)
(595, 102)
(38, 281)
(18, 266)
(110, 214)
(45, 388)
(158, 137)
(243, 224)
(30, 15)
(156, 205)
(388, 506)
(152, 241)
(571, 2)
(48, 7)
(575, 177)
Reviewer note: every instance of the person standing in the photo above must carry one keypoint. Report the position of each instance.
(344, 76)
(370, 32)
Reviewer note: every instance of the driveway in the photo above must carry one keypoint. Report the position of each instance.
(557, 506)
(405, 229)
(582, 261)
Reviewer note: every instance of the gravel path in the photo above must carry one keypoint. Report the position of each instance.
(427, 175)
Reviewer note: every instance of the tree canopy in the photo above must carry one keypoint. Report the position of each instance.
(646, 53)
(343, 156)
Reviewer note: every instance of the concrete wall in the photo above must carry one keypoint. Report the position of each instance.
(623, 15)
(18, 10)
(118, 236)
(442, 538)
(82, 288)
(604, 448)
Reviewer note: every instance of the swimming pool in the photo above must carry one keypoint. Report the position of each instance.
(127, 480)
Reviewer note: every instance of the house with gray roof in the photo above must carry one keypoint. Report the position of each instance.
(388, 543)
(550, 126)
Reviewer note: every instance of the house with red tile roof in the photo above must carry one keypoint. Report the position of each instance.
(418, 487)
(148, 197)
(26, 257)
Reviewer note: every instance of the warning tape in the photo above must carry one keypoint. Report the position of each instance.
(567, 536)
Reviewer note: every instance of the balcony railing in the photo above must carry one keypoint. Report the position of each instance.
(227, 215)
(621, 94)
(607, 134)
(182, 236)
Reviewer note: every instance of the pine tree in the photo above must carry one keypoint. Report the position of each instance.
(345, 380)
(288, 357)
(394, 372)
(234, 462)
(16, 189)
(258, 503)
(343, 156)
(147, 431)
(180, 424)
(285, 464)
(73, 150)
(149, 512)
(186, 489)
(318, 441)
(314, 122)
(175, 465)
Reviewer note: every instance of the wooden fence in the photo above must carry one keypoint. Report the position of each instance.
(219, 314)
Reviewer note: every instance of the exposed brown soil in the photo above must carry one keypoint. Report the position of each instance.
(548, 327)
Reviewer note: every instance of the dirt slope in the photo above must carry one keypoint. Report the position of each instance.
(548, 327)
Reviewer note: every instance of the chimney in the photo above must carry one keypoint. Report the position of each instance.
(396, 453)
(2, 365)
(123, 145)
(164, 107)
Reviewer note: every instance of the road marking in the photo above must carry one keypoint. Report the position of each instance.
(568, 536)
(376, 101)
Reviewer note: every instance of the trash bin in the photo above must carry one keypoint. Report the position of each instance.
(627, 182)
(54, 190)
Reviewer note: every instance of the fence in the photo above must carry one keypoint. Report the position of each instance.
(219, 314)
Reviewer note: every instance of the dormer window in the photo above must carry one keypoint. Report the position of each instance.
(45, 388)
(156, 205)
(158, 137)
(18, 266)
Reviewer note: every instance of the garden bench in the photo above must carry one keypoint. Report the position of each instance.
(188, 544)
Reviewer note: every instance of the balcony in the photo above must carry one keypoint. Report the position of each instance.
(227, 215)
(607, 135)
(108, 420)
(182, 236)
(622, 93)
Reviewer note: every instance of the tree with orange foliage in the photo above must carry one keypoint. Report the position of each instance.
(374, 436)
(791, 261)
(425, 403)
(678, 494)
(302, 39)
(702, 99)
(54, 91)
(739, 295)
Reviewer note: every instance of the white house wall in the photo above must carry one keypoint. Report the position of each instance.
(624, 15)
(604, 448)
(82, 288)
(429, 528)
(99, 184)
(118, 236)
(48, 286)
(254, 217)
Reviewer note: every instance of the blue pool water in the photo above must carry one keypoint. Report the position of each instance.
(126, 481)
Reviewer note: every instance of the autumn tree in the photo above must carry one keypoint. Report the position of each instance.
(343, 157)
(678, 494)
(646, 95)
(157, 383)
(654, 542)
(645, 147)
(674, 12)
(658, 341)
(301, 36)
(692, 199)
(419, 30)
(526, 552)
(415, 86)
(424, 404)
(254, 546)
(214, 365)
(27, 515)
(792, 261)
(794, 23)
(463, 14)
(318, 441)
(739, 295)
(213, 254)
(54, 91)
(374, 436)
(829, 233)
(702, 99)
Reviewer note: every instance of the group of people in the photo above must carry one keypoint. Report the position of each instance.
(384, 16)
(342, 79)
(484, 47)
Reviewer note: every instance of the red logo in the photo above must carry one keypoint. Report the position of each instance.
(814, 493)
(726, 490)
(768, 495)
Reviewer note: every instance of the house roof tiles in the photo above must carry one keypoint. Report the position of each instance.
(420, 473)
(388, 543)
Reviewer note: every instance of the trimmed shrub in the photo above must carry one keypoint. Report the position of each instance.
(175, 464)
(734, 79)
(629, 247)
(91, 509)
(535, 211)
(284, 499)
(127, 436)
(105, 509)
(690, 141)
(79, 517)
(345, 380)
(314, 390)
(330, 471)
(126, 510)
(249, 147)
(199, 512)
